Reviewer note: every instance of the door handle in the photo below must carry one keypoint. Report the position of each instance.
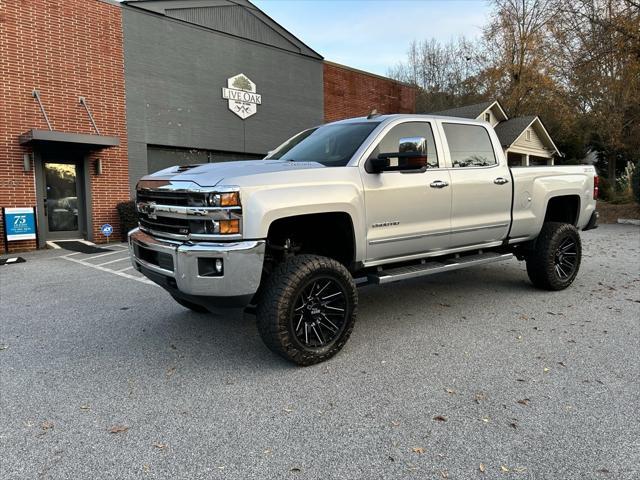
(500, 181)
(438, 184)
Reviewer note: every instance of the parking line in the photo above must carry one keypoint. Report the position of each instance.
(115, 272)
(124, 269)
(102, 255)
(113, 261)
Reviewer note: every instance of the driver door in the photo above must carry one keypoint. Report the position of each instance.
(407, 212)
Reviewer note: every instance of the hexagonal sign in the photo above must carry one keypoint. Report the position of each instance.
(241, 95)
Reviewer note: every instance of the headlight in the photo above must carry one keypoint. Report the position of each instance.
(230, 199)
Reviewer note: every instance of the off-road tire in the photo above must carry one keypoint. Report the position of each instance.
(542, 260)
(276, 305)
(191, 306)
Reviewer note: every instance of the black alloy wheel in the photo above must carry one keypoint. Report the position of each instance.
(320, 312)
(554, 261)
(307, 309)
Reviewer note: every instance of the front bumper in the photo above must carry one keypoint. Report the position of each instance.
(174, 266)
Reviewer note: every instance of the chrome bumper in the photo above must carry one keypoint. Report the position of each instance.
(242, 264)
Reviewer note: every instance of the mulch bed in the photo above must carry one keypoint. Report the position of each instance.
(610, 213)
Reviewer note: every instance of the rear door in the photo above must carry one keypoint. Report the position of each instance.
(407, 212)
(481, 186)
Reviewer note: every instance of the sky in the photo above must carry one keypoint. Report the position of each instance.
(374, 35)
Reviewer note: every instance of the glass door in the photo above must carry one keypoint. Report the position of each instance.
(62, 202)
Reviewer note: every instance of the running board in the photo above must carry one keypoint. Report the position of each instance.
(429, 268)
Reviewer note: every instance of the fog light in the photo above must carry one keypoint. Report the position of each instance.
(210, 267)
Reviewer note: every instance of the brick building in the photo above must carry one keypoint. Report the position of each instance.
(349, 92)
(51, 154)
(106, 92)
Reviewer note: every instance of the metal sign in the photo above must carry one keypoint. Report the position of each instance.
(20, 224)
(106, 230)
(241, 95)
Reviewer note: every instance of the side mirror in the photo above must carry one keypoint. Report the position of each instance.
(411, 155)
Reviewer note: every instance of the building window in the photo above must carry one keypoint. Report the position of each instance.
(487, 117)
(528, 135)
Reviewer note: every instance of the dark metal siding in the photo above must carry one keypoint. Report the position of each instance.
(174, 76)
(235, 20)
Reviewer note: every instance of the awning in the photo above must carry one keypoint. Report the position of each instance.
(36, 137)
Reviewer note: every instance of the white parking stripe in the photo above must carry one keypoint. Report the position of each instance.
(124, 269)
(113, 261)
(103, 255)
(115, 272)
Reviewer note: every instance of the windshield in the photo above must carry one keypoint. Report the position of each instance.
(330, 145)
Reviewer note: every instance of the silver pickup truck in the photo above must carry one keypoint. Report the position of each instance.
(360, 201)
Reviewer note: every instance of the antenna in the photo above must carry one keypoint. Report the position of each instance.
(374, 113)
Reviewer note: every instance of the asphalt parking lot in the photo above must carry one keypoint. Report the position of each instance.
(102, 375)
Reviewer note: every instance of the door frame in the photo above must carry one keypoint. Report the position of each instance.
(60, 154)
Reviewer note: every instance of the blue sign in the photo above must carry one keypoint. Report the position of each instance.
(106, 229)
(20, 223)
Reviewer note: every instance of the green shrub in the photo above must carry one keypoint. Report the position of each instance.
(635, 183)
(128, 217)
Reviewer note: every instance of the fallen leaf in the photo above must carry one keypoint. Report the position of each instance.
(85, 407)
(519, 337)
(450, 391)
(602, 470)
(3, 347)
(444, 305)
(295, 470)
(485, 419)
(418, 450)
(503, 468)
(46, 425)
(267, 451)
(561, 364)
(545, 370)
(170, 371)
(524, 401)
(513, 425)
(481, 467)
(444, 474)
(118, 429)
(288, 409)
(394, 423)
(440, 418)
(173, 347)
(146, 468)
(479, 396)
(520, 380)
(160, 445)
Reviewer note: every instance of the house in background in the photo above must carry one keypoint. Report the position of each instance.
(524, 140)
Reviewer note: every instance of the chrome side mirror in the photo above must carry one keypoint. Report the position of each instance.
(416, 145)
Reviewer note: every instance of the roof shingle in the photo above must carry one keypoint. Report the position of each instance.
(509, 130)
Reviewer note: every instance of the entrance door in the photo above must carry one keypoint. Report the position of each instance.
(63, 200)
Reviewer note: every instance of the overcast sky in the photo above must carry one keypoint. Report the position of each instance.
(375, 34)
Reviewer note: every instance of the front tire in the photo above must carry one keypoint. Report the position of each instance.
(307, 310)
(555, 261)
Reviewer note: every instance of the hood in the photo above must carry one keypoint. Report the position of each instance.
(211, 174)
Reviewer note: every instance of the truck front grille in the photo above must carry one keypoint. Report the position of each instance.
(181, 215)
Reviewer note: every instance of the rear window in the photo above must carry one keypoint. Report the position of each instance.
(469, 145)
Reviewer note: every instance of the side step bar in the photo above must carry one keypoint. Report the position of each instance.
(429, 268)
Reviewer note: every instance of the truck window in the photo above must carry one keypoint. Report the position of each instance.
(469, 145)
(332, 145)
(391, 140)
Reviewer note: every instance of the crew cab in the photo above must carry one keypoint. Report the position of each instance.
(361, 201)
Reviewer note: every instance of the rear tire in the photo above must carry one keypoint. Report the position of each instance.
(555, 260)
(191, 306)
(307, 309)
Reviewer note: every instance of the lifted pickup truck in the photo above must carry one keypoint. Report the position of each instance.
(376, 199)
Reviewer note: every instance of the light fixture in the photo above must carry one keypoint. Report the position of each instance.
(98, 166)
(27, 160)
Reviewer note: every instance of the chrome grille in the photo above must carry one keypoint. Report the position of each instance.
(182, 215)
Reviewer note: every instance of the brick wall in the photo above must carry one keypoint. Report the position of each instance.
(353, 93)
(64, 49)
